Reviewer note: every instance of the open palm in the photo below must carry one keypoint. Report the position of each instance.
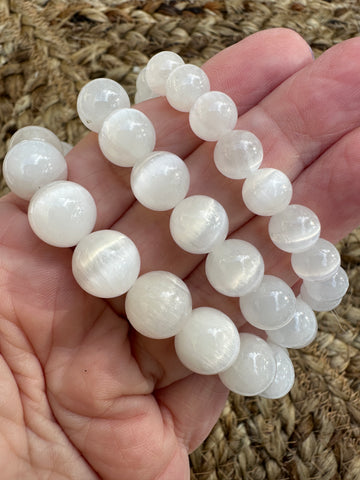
(82, 395)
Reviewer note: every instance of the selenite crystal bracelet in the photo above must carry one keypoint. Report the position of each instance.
(158, 304)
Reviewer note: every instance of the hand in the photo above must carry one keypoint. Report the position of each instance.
(82, 395)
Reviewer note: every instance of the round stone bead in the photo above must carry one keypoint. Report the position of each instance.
(270, 306)
(253, 370)
(331, 288)
(185, 85)
(106, 263)
(295, 229)
(97, 99)
(213, 115)
(238, 153)
(66, 147)
(33, 132)
(199, 223)
(284, 377)
(300, 331)
(318, 305)
(234, 268)
(62, 213)
(143, 91)
(160, 181)
(319, 262)
(208, 342)
(159, 68)
(126, 136)
(267, 191)
(31, 164)
(158, 304)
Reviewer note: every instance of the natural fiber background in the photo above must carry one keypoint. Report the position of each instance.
(49, 49)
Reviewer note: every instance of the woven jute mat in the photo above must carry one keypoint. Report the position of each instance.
(49, 49)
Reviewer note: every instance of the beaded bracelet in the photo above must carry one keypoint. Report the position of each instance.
(158, 304)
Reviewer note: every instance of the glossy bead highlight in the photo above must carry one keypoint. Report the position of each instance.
(106, 263)
(97, 99)
(32, 164)
(208, 342)
(213, 115)
(62, 213)
(234, 267)
(126, 136)
(253, 370)
(158, 304)
(199, 223)
(160, 181)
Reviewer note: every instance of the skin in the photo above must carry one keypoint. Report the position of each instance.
(82, 395)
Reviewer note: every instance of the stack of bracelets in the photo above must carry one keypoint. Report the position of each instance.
(158, 304)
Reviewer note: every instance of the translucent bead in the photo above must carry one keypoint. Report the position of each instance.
(331, 288)
(270, 306)
(318, 305)
(234, 268)
(267, 191)
(66, 147)
(319, 262)
(300, 331)
(295, 229)
(97, 99)
(284, 377)
(213, 114)
(238, 153)
(253, 370)
(31, 164)
(160, 181)
(126, 136)
(208, 342)
(61, 213)
(199, 223)
(33, 132)
(185, 85)
(159, 68)
(106, 263)
(143, 91)
(158, 304)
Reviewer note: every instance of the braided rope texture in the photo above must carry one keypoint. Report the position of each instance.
(50, 49)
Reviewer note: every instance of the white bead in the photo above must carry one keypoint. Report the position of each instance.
(213, 114)
(97, 99)
(185, 85)
(300, 331)
(61, 213)
(267, 191)
(31, 164)
(127, 135)
(106, 263)
(319, 262)
(208, 342)
(160, 181)
(270, 306)
(143, 91)
(318, 305)
(159, 68)
(199, 223)
(331, 288)
(253, 370)
(295, 229)
(158, 304)
(234, 267)
(284, 377)
(238, 153)
(33, 132)
(66, 147)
